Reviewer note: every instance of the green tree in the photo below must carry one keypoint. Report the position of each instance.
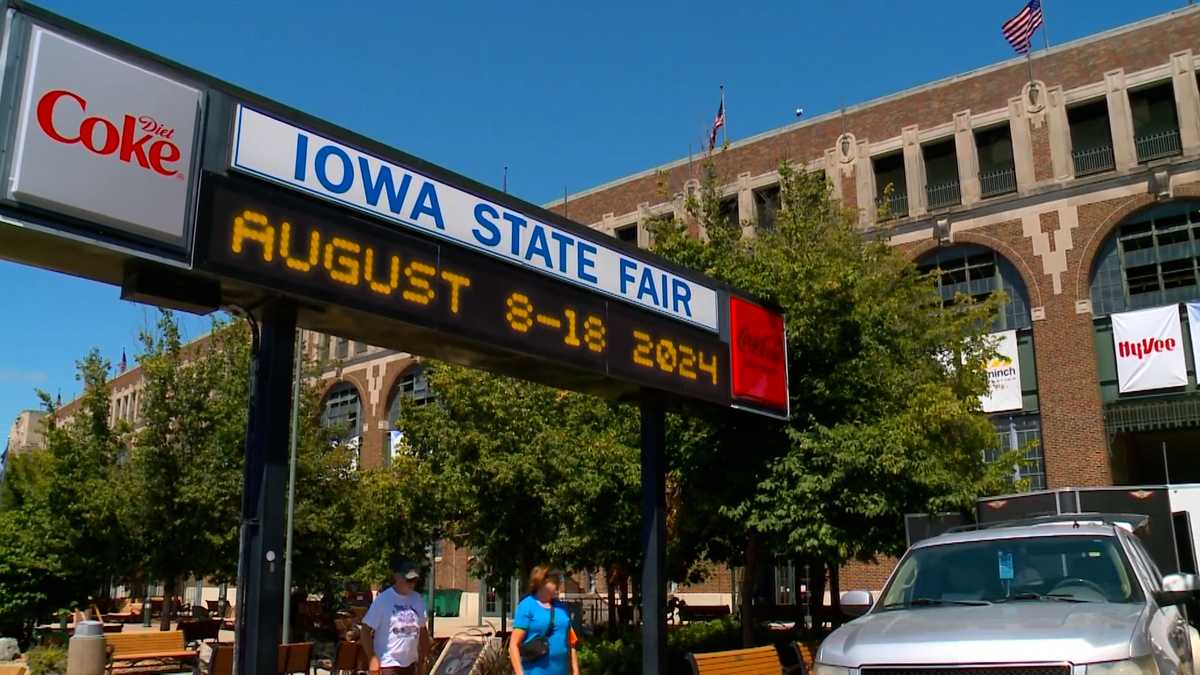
(882, 423)
(529, 473)
(186, 462)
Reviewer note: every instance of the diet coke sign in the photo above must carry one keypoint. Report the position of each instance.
(1149, 349)
(105, 140)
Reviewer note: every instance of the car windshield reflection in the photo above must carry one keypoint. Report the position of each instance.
(1071, 569)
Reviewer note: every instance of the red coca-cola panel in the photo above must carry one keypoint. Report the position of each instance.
(758, 356)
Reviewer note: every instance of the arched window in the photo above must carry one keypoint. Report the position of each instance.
(411, 386)
(977, 272)
(343, 410)
(1151, 260)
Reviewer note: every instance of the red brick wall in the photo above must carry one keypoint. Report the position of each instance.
(1043, 169)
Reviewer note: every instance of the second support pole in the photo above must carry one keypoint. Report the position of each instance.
(654, 536)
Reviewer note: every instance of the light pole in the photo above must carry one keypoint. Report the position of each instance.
(291, 499)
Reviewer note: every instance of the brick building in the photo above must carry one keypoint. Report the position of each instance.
(1077, 194)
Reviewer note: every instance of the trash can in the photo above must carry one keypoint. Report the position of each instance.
(86, 651)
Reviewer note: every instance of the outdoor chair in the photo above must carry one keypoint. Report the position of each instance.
(220, 661)
(295, 657)
(196, 631)
(347, 659)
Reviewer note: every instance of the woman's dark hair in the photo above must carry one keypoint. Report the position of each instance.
(541, 575)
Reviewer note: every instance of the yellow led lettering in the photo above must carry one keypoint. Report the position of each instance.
(664, 353)
(571, 339)
(456, 281)
(369, 273)
(419, 274)
(520, 312)
(710, 367)
(347, 270)
(253, 226)
(285, 245)
(687, 362)
(593, 334)
(641, 350)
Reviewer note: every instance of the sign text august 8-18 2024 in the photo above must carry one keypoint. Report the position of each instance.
(281, 241)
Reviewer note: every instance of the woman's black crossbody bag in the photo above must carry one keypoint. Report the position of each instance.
(539, 647)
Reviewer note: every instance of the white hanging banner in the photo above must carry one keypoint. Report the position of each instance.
(1004, 375)
(1193, 311)
(1149, 349)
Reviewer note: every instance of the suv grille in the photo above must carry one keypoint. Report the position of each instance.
(987, 670)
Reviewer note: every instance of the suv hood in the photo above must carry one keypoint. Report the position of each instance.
(1019, 632)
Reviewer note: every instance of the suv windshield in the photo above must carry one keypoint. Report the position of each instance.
(1058, 568)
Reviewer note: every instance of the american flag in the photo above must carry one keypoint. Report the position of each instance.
(1021, 27)
(718, 122)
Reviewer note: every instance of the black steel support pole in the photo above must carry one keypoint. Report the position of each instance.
(654, 537)
(264, 492)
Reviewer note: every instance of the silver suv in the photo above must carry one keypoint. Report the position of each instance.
(1042, 597)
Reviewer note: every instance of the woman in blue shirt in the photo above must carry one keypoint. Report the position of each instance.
(532, 620)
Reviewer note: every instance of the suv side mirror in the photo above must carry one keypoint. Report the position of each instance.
(1176, 588)
(856, 603)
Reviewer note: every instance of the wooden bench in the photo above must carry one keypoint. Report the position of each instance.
(13, 669)
(754, 661)
(150, 650)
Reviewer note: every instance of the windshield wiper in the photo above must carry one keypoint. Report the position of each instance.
(932, 602)
(1064, 597)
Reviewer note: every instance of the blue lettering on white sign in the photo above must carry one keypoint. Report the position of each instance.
(300, 159)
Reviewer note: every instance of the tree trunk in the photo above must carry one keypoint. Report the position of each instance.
(835, 595)
(626, 614)
(816, 593)
(610, 587)
(164, 621)
(749, 574)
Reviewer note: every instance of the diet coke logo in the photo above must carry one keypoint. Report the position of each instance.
(1141, 349)
(766, 347)
(142, 141)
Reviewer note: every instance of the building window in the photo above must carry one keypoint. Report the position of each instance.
(997, 170)
(341, 349)
(627, 233)
(343, 410)
(976, 272)
(1023, 432)
(1155, 124)
(767, 202)
(360, 348)
(1151, 260)
(1091, 138)
(891, 190)
(941, 174)
(729, 211)
(411, 386)
(323, 347)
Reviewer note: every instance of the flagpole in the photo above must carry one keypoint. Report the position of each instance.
(725, 122)
(1045, 35)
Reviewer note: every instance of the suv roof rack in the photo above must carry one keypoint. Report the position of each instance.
(1133, 521)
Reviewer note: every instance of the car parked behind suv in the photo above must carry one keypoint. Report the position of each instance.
(1075, 595)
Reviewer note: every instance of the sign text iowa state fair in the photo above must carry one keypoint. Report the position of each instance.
(280, 152)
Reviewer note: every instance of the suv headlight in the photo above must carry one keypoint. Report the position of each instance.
(1142, 665)
(823, 669)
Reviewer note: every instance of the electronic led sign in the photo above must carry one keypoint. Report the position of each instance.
(260, 235)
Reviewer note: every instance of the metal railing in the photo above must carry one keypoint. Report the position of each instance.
(895, 206)
(1157, 145)
(943, 194)
(998, 181)
(1097, 159)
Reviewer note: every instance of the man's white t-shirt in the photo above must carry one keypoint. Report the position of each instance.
(397, 621)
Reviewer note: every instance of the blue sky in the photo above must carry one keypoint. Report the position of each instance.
(567, 94)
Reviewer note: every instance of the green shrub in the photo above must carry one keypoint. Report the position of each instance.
(46, 660)
(624, 656)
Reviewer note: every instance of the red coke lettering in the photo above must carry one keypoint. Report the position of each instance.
(151, 149)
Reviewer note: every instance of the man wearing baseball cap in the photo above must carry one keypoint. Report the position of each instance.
(395, 636)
